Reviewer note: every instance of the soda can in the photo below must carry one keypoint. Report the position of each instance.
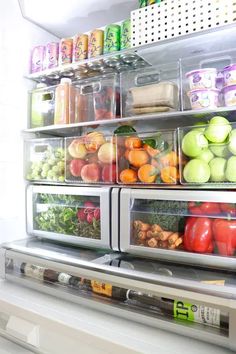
(112, 38)
(51, 55)
(125, 34)
(37, 59)
(151, 2)
(142, 3)
(80, 47)
(65, 51)
(96, 43)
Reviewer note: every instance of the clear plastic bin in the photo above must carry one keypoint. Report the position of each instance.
(45, 160)
(207, 153)
(203, 79)
(148, 158)
(150, 90)
(91, 159)
(98, 98)
(41, 106)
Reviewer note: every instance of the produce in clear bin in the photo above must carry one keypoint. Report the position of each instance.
(68, 215)
(91, 159)
(51, 166)
(104, 102)
(211, 153)
(149, 159)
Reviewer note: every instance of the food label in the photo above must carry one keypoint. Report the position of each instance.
(101, 288)
(34, 271)
(196, 313)
(64, 278)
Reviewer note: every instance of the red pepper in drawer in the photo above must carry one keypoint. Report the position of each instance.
(224, 232)
(198, 235)
(204, 208)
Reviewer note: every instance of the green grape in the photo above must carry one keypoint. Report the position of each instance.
(50, 174)
(44, 174)
(55, 169)
(60, 165)
(51, 161)
(29, 176)
(61, 179)
(46, 167)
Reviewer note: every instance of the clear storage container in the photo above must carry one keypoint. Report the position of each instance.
(98, 98)
(207, 153)
(91, 159)
(41, 106)
(203, 79)
(64, 214)
(150, 90)
(148, 158)
(192, 227)
(44, 160)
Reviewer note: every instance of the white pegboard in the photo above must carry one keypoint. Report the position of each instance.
(174, 18)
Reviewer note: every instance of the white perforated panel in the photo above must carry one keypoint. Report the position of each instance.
(174, 18)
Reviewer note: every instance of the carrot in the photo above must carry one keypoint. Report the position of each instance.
(133, 142)
(152, 243)
(141, 226)
(164, 235)
(128, 176)
(156, 228)
(169, 175)
(138, 157)
(147, 173)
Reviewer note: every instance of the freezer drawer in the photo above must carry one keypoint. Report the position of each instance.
(73, 215)
(185, 306)
(191, 227)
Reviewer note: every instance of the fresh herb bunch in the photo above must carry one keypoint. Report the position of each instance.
(89, 230)
(71, 200)
(164, 214)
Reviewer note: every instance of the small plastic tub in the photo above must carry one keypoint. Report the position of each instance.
(229, 73)
(229, 93)
(202, 78)
(203, 98)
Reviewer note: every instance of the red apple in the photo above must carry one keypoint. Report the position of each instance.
(76, 166)
(81, 215)
(91, 173)
(109, 173)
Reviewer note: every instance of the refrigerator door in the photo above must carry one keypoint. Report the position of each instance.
(77, 216)
(191, 227)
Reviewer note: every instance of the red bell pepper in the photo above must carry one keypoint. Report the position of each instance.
(204, 208)
(224, 233)
(228, 208)
(198, 235)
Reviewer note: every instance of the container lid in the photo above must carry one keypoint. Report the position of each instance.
(200, 70)
(65, 80)
(228, 88)
(229, 67)
(41, 85)
(208, 90)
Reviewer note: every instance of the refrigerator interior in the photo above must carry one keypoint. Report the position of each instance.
(111, 265)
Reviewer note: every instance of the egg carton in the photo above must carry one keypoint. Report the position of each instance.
(175, 18)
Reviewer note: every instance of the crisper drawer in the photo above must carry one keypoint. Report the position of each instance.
(191, 227)
(79, 216)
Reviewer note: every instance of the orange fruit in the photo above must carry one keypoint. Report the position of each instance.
(152, 152)
(133, 142)
(169, 175)
(128, 176)
(138, 157)
(170, 159)
(147, 173)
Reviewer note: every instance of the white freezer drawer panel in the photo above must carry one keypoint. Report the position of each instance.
(193, 227)
(73, 215)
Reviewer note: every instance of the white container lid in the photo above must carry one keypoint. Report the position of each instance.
(65, 80)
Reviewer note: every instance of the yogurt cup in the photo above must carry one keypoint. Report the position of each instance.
(229, 93)
(202, 78)
(203, 98)
(229, 73)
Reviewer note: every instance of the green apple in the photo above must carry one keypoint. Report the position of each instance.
(193, 143)
(197, 171)
(218, 129)
(232, 142)
(218, 167)
(230, 172)
(220, 150)
(206, 155)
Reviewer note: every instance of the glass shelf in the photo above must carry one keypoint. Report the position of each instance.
(175, 119)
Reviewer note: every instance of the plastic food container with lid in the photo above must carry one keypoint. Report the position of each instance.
(202, 78)
(229, 73)
(204, 98)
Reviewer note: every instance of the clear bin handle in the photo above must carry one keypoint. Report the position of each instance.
(90, 88)
(146, 79)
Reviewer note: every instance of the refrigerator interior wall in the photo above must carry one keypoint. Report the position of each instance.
(13, 106)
